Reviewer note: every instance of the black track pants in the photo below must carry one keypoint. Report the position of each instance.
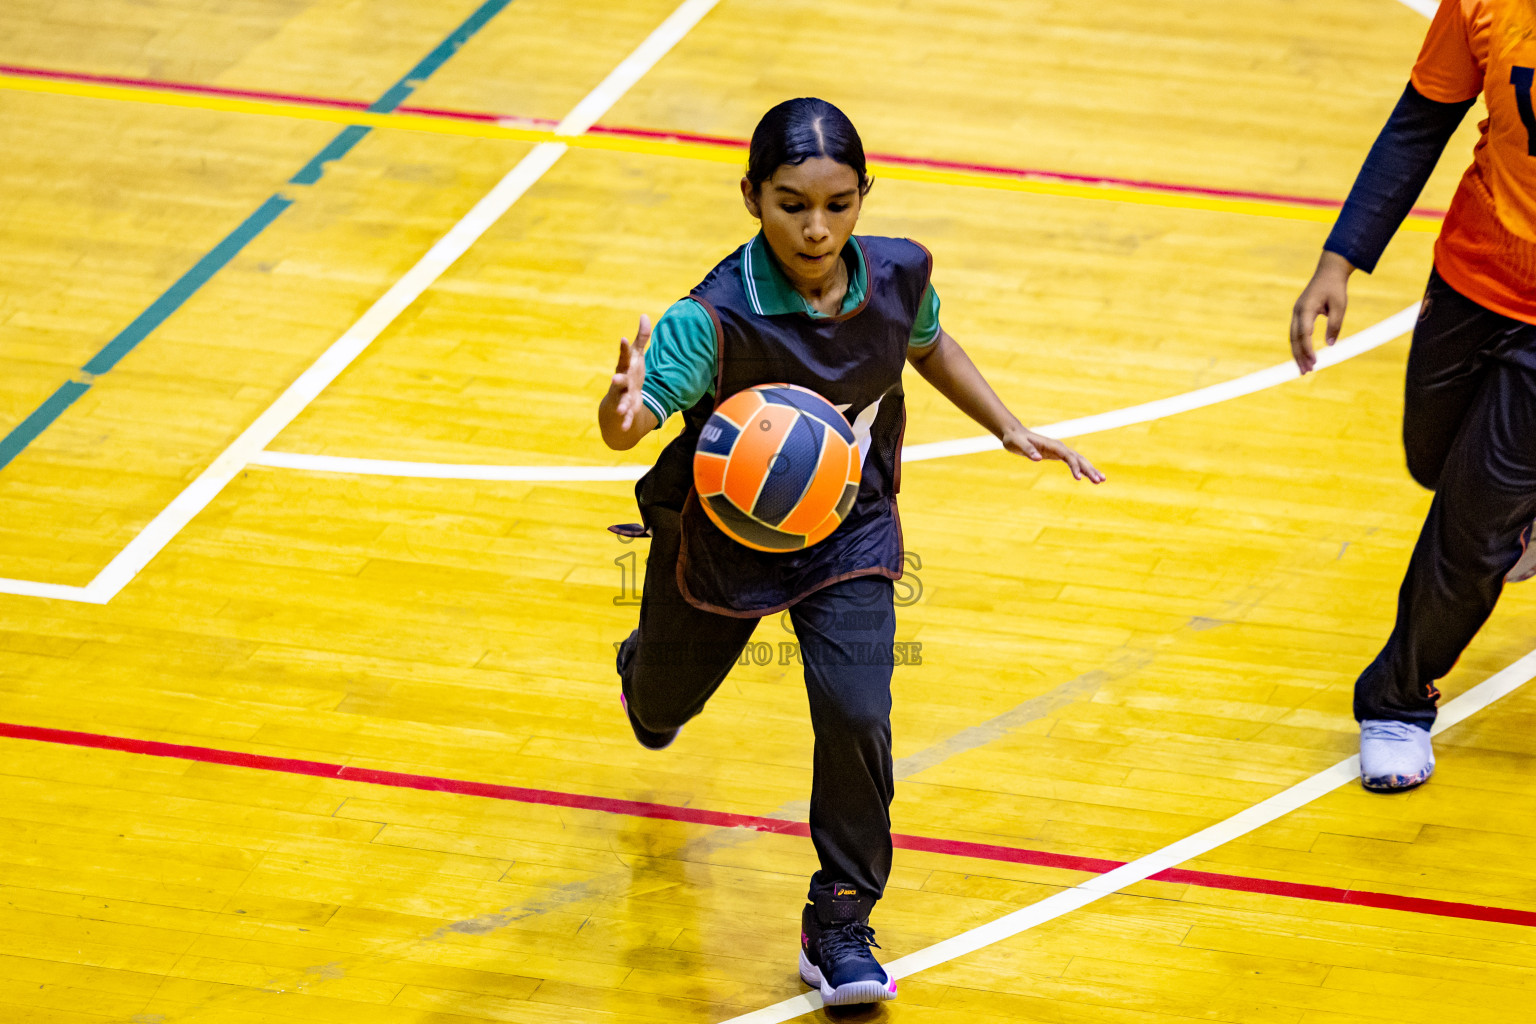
(680, 655)
(1469, 430)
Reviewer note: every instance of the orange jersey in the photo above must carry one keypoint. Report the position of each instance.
(1487, 247)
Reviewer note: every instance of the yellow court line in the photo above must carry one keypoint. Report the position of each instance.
(687, 150)
(407, 122)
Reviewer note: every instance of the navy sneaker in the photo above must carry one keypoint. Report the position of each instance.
(835, 937)
(649, 738)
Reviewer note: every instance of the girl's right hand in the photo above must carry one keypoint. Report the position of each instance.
(1327, 294)
(624, 388)
(1020, 440)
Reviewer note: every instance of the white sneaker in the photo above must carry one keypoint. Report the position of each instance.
(1394, 755)
(1526, 567)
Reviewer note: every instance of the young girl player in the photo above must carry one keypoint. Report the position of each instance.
(1469, 413)
(803, 303)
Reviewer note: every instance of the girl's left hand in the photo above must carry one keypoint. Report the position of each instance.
(1023, 441)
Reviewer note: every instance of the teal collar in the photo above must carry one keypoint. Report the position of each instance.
(770, 292)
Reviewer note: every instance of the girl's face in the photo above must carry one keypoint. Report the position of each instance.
(808, 211)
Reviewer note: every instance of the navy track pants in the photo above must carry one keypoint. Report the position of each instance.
(1469, 431)
(680, 655)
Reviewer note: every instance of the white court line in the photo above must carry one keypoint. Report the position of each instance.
(57, 591)
(160, 530)
(1468, 704)
(1424, 7)
(1376, 335)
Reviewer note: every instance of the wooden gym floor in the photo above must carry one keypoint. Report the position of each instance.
(288, 738)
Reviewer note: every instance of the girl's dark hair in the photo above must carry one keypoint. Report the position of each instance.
(798, 130)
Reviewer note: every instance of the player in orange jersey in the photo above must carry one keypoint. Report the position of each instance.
(1469, 415)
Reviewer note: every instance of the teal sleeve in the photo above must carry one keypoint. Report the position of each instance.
(679, 361)
(925, 329)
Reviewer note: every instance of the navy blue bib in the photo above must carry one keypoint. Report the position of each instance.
(854, 360)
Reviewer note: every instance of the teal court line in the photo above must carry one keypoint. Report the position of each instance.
(24, 433)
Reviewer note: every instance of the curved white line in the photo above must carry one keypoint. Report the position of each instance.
(1500, 684)
(1375, 336)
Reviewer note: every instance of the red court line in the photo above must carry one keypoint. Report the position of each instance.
(1037, 174)
(757, 823)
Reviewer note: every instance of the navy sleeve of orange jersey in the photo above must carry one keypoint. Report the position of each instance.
(1393, 175)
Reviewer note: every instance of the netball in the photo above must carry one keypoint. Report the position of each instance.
(776, 467)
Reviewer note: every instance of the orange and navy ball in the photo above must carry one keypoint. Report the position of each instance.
(776, 467)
